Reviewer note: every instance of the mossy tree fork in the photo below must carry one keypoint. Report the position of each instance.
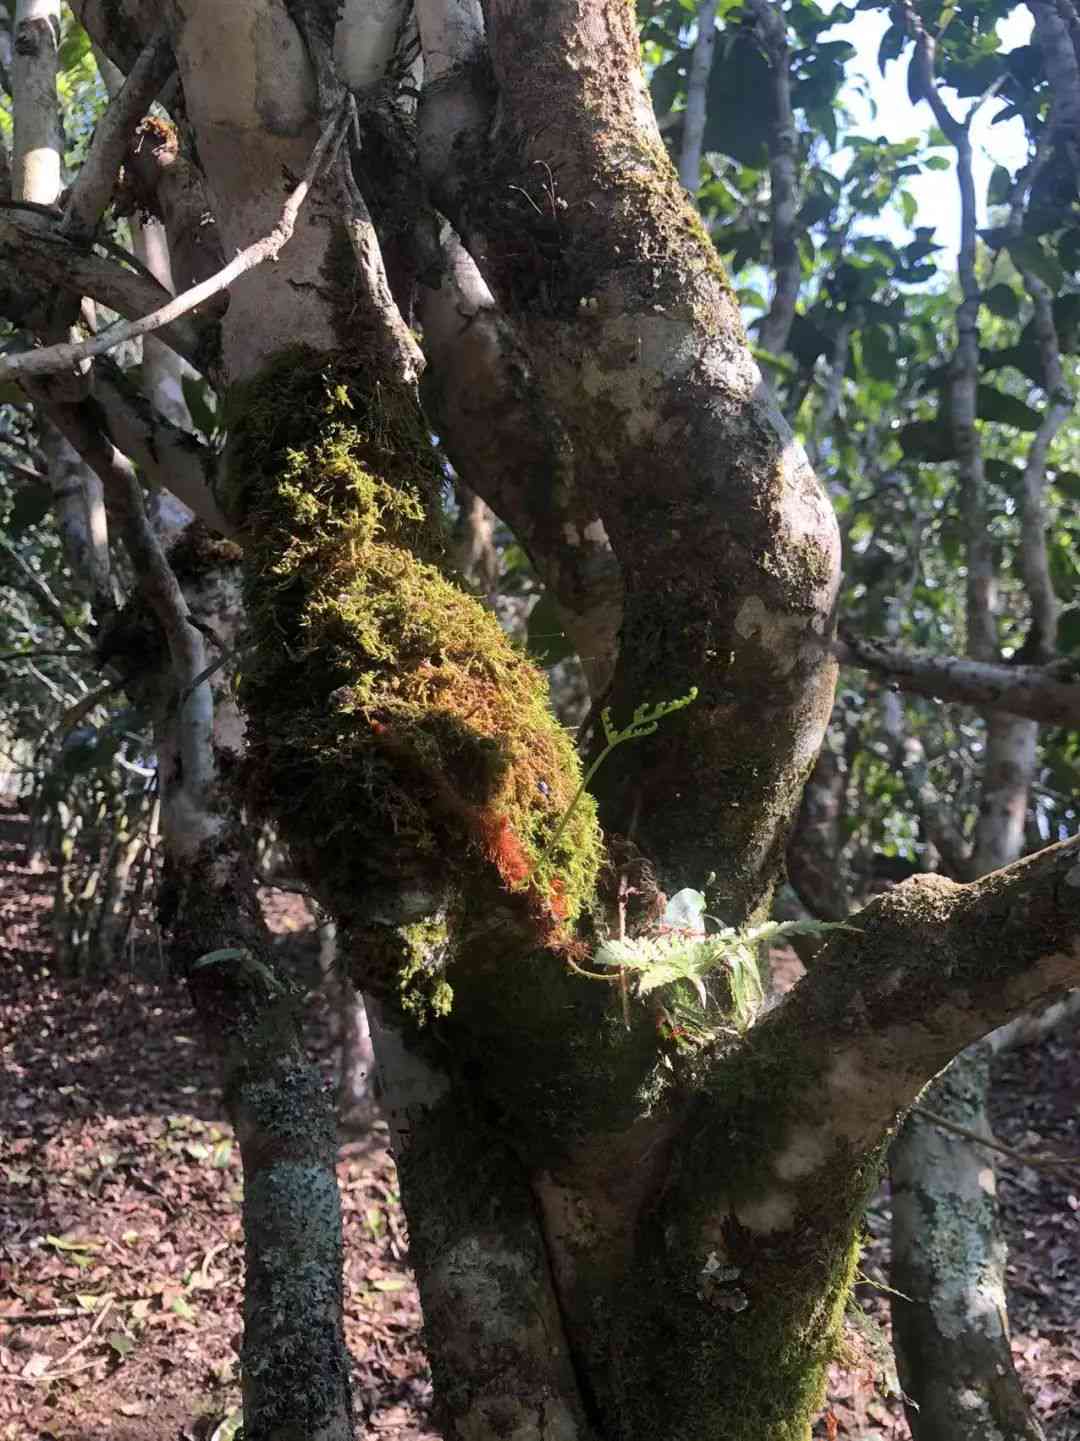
(616, 1238)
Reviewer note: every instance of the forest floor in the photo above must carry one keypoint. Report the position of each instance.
(120, 1240)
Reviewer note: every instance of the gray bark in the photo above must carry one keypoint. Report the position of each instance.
(950, 1325)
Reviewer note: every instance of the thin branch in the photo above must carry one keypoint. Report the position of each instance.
(42, 594)
(55, 358)
(771, 27)
(890, 1003)
(39, 252)
(168, 455)
(982, 643)
(834, 388)
(697, 89)
(12, 655)
(38, 142)
(24, 472)
(1024, 1157)
(1034, 552)
(92, 191)
(1034, 692)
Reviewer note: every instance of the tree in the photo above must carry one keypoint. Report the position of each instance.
(634, 1196)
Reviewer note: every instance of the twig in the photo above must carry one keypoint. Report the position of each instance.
(58, 1313)
(55, 358)
(84, 705)
(42, 593)
(54, 1374)
(1023, 1157)
(93, 189)
(11, 655)
(50, 1376)
(24, 472)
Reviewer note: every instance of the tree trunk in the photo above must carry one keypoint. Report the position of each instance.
(950, 1330)
(948, 1253)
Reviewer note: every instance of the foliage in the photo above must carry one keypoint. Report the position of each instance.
(684, 957)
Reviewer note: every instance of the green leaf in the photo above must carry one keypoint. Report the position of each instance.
(1000, 187)
(31, 505)
(1028, 254)
(121, 1344)
(1068, 483)
(999, 406)
(891, 47)
(878, 358)
(1068, 630)
(75, 48)
(1002, 300)
(927, 440)
(198, 394)
(181, 1307)
(214, 958)
(668, 80)
(753, 299)
(739, 105)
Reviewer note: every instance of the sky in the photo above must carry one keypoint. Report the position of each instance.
(897, 119)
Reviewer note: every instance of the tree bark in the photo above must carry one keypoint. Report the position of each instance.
(950, 1324)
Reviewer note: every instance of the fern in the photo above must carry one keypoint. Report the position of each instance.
(688, 956)
(644, 722)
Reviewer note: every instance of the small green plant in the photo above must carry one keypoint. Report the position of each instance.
(682, 955)
(689, 957)
(248, 965)
(645, 721)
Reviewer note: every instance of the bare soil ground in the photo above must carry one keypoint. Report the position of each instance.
(120, 1240)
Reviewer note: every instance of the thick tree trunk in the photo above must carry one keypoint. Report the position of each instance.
(618, 1231)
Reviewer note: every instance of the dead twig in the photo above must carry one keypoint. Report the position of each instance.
(1025, 1158)
(56, 358)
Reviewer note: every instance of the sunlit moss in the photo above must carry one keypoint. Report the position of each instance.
(398, 736)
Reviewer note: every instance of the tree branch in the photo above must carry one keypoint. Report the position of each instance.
(168, 456)
(41, 592)
(623, 309)
(697, 89)
(55, 358)
(982, 640)
(508, 445)
(775, 328)
(162, 592)
(93, 188)
(40, 252)
(1031, 691)
(934, 967)
(38, 143)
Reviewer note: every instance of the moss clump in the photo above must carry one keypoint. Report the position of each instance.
(199, 553)
(396, 734)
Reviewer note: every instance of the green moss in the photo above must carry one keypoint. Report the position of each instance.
(400, 739)
(754, 1315)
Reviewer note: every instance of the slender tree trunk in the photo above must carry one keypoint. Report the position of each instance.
(950, 1324)
(951, 1334)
